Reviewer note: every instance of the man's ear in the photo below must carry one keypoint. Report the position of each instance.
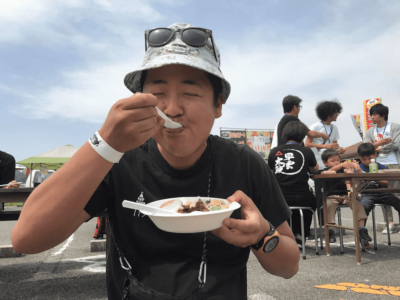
(218, 106)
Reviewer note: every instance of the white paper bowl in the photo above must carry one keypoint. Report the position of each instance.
(192, 222)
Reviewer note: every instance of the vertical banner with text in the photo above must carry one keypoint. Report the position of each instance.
(357, 124)
(367, 104)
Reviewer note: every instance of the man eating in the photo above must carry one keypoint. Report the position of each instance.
(134, 157)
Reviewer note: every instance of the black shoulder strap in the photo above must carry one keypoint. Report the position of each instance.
(117, 241)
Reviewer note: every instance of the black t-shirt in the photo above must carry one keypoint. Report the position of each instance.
(338, 187)
(7, 167)
(170, 262)
(291, 165)
(281, 125)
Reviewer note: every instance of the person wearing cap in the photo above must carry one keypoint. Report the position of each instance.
(134, 157)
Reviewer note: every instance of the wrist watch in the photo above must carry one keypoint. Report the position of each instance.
(268, 242)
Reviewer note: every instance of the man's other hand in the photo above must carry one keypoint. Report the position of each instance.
(247, 231)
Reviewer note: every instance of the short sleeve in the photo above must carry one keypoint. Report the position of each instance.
(315, 127)
(312, 161)
(271, 160)
(337, 136)
(101, 197)
(267, 194)
(308, 129)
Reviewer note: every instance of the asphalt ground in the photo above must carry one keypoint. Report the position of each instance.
(71, 271)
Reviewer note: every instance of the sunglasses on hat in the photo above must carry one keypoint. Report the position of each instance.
(193, 36)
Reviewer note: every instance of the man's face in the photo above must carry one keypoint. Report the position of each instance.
(334, 116)
(376, 118)
(297, 109)
(366, 160)
(186, 96)
(332, 161)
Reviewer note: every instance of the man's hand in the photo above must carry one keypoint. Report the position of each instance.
(12, 185)
(342, 150)
(248, 231)
(356, 166)
(346, 165)
(333, 145)
(131, 122)
(383, 142)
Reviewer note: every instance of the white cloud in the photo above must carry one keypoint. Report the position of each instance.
(329, 65)
(86, 95)
(41, 21)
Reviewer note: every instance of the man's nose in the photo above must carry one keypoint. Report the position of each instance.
(173, 105)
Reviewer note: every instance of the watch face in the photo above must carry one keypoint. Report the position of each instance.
(271, 244)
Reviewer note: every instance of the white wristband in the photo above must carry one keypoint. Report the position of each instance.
(103, 149)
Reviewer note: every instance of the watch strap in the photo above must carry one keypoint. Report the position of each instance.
(261, 243)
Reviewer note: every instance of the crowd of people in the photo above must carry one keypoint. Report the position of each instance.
(293, 162)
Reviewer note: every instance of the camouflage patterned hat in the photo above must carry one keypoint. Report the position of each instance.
(178, 52)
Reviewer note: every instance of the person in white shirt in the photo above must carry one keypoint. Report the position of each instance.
(385, 137)
(327, 112)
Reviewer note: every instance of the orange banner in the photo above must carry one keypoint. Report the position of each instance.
(367, 104)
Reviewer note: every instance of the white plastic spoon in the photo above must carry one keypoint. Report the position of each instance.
(168, 123)
(149, 210)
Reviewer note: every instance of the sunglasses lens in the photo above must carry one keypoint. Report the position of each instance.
(159, 36)
(194, 37)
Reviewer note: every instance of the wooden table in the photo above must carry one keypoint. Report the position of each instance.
(358, 181)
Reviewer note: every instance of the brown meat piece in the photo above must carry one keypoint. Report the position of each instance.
(186, 209)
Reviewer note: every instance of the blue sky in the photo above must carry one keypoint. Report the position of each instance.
(62, 63)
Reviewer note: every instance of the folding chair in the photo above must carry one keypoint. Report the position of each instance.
(303, 240)
(387, 223)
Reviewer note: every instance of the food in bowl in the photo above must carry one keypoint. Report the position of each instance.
(203, 205)
(196, 221)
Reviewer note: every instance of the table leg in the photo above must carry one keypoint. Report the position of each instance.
(326, 229)
(353, 198)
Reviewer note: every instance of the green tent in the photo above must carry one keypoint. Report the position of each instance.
(52, 159)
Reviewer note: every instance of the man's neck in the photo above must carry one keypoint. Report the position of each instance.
(291, 142)
(327, 122)
(381, 123)
(292, 113)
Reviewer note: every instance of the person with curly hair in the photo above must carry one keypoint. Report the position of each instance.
(327, 112)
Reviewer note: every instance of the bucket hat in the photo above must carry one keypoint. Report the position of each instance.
(178, 52)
